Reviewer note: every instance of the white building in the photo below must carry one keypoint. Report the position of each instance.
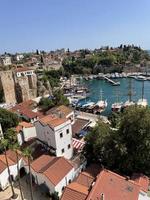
(12, 161)
(56, 133)
(24, 71)
(19, 57)
(54, 172)
(6, 60)
(25, 132)
(63, 111)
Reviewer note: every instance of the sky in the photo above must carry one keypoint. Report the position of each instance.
(27, 25)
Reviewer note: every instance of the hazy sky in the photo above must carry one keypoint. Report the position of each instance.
(27, 25)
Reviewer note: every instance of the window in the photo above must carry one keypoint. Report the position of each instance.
(67, 131)
(68, 146)
(61, 135)
(69, 180)
(62, 150)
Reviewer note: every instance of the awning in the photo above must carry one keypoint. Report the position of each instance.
(77, 144)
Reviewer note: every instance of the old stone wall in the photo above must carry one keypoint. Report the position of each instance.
(8, 85)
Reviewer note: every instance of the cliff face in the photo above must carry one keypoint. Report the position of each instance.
(44, 88)
(7, 83)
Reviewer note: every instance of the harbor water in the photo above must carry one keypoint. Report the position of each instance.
(114, 93)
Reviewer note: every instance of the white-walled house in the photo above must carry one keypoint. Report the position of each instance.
(12, 161)
(54, 172)
(63, 111)
(6, 60)
(25, 132)
(24, 71)
(56, 133)
(19, 57)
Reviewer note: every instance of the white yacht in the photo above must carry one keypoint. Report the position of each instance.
(116, 107)
(128, 103)
(142, 102)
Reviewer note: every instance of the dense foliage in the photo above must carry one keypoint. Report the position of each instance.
(53, 76)
(105, 60)
(57, 100)
(125, 150)
(8, 119)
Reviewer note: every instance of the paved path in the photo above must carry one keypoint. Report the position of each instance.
(6, 194)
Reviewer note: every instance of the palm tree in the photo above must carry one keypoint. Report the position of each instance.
(4, 143)
(11, 136)
(15, 147)
(27, 154)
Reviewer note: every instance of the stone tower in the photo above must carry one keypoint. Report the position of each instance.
(8, 85)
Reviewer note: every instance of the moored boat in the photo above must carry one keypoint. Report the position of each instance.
(116, 107)
(142, 102)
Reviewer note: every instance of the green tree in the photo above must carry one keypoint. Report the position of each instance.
(11, 136)
(28, 154)
(46, 103)
(134, 134)
(60, 99)
(126, 150)
(8, 119)
(96, 142)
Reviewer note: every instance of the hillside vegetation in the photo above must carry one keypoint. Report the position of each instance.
(105, 60)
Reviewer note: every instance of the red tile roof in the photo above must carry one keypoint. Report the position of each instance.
(114, 187)
(11, 157)
(54, 168)
(75, 191)
(2, 166)
(78, 190)
(23, 69)
(60, 110)
(25, 108)
(52, 120)
(142, 180)
(23, 124)
(79, 125)
(85, 179)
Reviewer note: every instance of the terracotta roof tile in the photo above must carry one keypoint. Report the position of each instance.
(79, 125)
(114, 187)
(10, 162)
(3, 166)
(23, 69)
(23, 124)
(85, 179)
(61, 110)
(52, 120)
(56, 172)
(41, 162)
(142, 180)
(75, 191)
(54, 168)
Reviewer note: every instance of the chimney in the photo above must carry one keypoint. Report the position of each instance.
(102, 196)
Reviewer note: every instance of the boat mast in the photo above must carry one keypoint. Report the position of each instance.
(101, 95)
(117, 95)
(130, 93)
(142, 90)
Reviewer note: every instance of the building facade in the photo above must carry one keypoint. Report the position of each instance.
(56, 133)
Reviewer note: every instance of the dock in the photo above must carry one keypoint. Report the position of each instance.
(111, 81)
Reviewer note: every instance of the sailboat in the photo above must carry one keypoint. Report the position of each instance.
(142, 102)
(100, 105)
(129, 102)
(117, 106)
